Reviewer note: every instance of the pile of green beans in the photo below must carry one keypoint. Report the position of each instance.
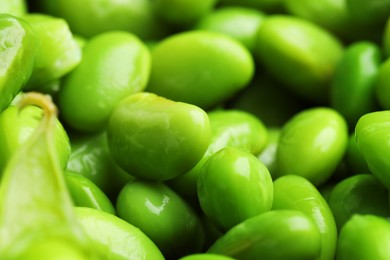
(195, 130)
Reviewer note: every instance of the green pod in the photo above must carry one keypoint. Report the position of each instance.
(182, 14)
(233, 186)
(155, 138)
(241, 23)
(373, 140)
(297, 193)
(115, 64)
(115, 239)
(17, 54)
(269, 6)
(358, 194)
(35, 206)
(203, 68)
(57, 54)
(276, 234)
(364, 237)
(312, 144)
(91, 158)
(229, 128)
(163, 216)
(352, 88)
(14, 7)
(85, 193)
(17, 127)
(300, 54)
(205, 256)
(134, 16)
(353, 156)
(382, 86)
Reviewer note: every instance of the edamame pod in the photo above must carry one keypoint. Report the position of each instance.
(200, 67)
(163, 216)
(312, 144)
(85, 193)
(206, 256)
(352, 87)
(292, 192)
(373, 140)
(47, 215)
(155, 138)
(358, 194)
(17, 127)
(276, 235)
(233, 186)
(18, 45)
(300, 54)
(14, 7)
(115, 64)
(364, 237)
(115, 239)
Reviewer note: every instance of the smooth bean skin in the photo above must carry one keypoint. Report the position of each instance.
(155, 138)
(373, 140)
(382, 86)
(115, 64)
(358, 194)
(352, 91)
(229, 128)
(115, 239)
(364, 237)
(312, 144)
(292, 192)
(90, 157)
(354, 159)
(18, 51)
(206, 256)
(304, 66)
(220, 187)
(85, 193)
(16, 128)
(182, 13)
(163, 216)
(276, 234)
(200, 67)
(332, 15)
(269, 6)
(134, 16)
(57, 53)
(241, 23)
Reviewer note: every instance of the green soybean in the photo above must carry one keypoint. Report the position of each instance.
(115, 64)
(155, 138)
(200, 67)
(276, 234)
(312, 144)
(364, 237)
(169, 221)
(220, 187)
(115, 239)
(292, 192)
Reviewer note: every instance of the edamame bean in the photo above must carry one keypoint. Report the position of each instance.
(292, 192)
(163, 216)
(300, 54)
(155, 138)
(220, 187)
(203, 68)
(312, 143)
(115, 64)
(276, 234)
